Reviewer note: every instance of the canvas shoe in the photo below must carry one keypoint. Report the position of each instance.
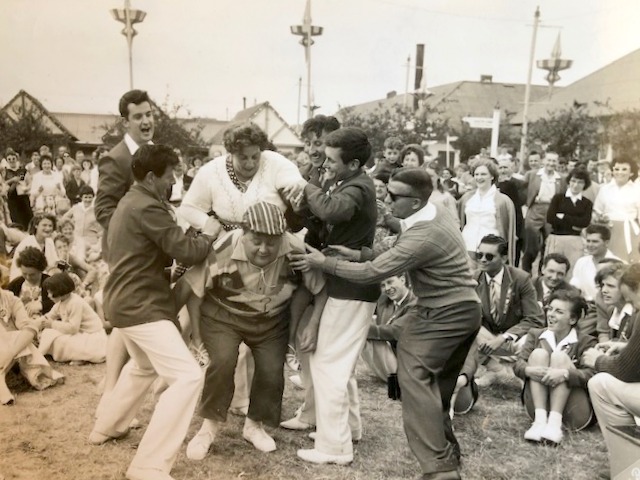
(199, 445)
(552, 433)
(314, 456)
(534, 434)
(135, 473)
(295, 424)
(255, 434)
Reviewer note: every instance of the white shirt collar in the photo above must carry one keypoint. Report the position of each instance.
(132, 145)
(550, 337)
(426, 213)
(498, 277)
(399, 302)
(542, 173)
(616, 316)
(489, 193)
(574, 198)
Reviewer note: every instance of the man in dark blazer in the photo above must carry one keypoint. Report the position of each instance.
(509, 310)
(541, 185)
(115, 176)
(554, 271)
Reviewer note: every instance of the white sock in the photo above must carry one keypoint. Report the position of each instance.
(555, 419)
(540, 416)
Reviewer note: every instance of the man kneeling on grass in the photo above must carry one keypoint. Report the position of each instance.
(242, 294)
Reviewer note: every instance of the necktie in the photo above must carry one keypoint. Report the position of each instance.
(494, 298)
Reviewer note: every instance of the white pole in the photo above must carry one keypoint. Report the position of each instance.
(495, 132)
(527, 91)
(406, 88)
(299, 98)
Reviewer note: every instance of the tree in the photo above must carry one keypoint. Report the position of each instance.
(569, 132)
(622, 131)
(411, 127)
(26, 130)
(471, 140)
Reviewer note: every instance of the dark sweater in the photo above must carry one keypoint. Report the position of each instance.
(626, 365)
(576, 217)
(349, 213)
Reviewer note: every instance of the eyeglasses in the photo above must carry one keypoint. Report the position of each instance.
(488, 256)
(395, 196)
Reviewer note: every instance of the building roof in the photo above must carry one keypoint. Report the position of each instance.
(88, 128)
(266, 117)
(15, 107)
(453, 101)
(613, 88)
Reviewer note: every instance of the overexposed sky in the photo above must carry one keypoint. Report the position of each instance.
(208, 54)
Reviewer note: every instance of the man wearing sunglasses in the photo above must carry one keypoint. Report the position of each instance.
(509, 310)
(439, 329)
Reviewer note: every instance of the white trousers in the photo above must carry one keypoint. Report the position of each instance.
(614, 402)
(342, 334)
(156, 349)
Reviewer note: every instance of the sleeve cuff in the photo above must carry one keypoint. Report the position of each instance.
(330, 265)
(366, 254)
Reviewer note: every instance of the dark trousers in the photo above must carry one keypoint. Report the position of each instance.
(267, 338)
(431, 352)
(536, 231)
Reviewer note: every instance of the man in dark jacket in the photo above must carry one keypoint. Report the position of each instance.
(144, 238)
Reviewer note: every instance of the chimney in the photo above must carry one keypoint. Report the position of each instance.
(486, 78)
(392, 94)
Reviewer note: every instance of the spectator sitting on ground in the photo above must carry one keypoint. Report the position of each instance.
(41, 230)
(509, 310)
(72, 330)
(555, 378)
(616, 316)
(554, 270)
(17, 333)
(384, 331)
(29, 286)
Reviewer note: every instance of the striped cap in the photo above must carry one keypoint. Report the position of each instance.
(266, 218)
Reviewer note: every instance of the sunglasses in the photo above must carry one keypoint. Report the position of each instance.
(488, 256)
(395, 196)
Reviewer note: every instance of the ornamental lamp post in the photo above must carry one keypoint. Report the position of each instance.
(129, 17)
(307, 31)
(554, 65)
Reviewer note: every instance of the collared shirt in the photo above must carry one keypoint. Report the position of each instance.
(177, 189)
(574, 198)
(617, 315)
(547, 186)
(564, 344)
(399, 303)
(425, 214)
(497, 278)
(584, 274)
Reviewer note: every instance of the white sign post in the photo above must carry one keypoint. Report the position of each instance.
(488, 122)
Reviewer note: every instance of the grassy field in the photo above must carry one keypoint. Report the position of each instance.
(44, 437)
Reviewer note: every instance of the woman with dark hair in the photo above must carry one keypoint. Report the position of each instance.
(550, 363)
(219, 196)
(618, 205)
(47, 184)
(18, 194)
(29, 286)
(72, 331)
(447, 178)
(411, 156)
(40, 231)
(486, 210)
(568, 214)
(17, 334)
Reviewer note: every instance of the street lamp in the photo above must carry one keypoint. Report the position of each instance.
(129, 16)
(307, 31)
(554, 65)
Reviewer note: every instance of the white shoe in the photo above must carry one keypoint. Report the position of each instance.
(199, 445)
(239, 411)
(314, 456)
(135, 473)
(534, 434)
(292, 359)
(255, 434)
(314, 435)
(552, 433)
(295, 424)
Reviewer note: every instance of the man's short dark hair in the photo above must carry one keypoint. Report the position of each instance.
(85, 190)
(153, 158)
(320, 124)
(352, 142)
(502, 244)
(558, 258)
(417, 179)
(132, 96)
(580, 173)
(32, 257)
(600, 229)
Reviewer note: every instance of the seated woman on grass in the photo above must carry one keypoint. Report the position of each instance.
(72, 330)
(17, 332)
(555, 380)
